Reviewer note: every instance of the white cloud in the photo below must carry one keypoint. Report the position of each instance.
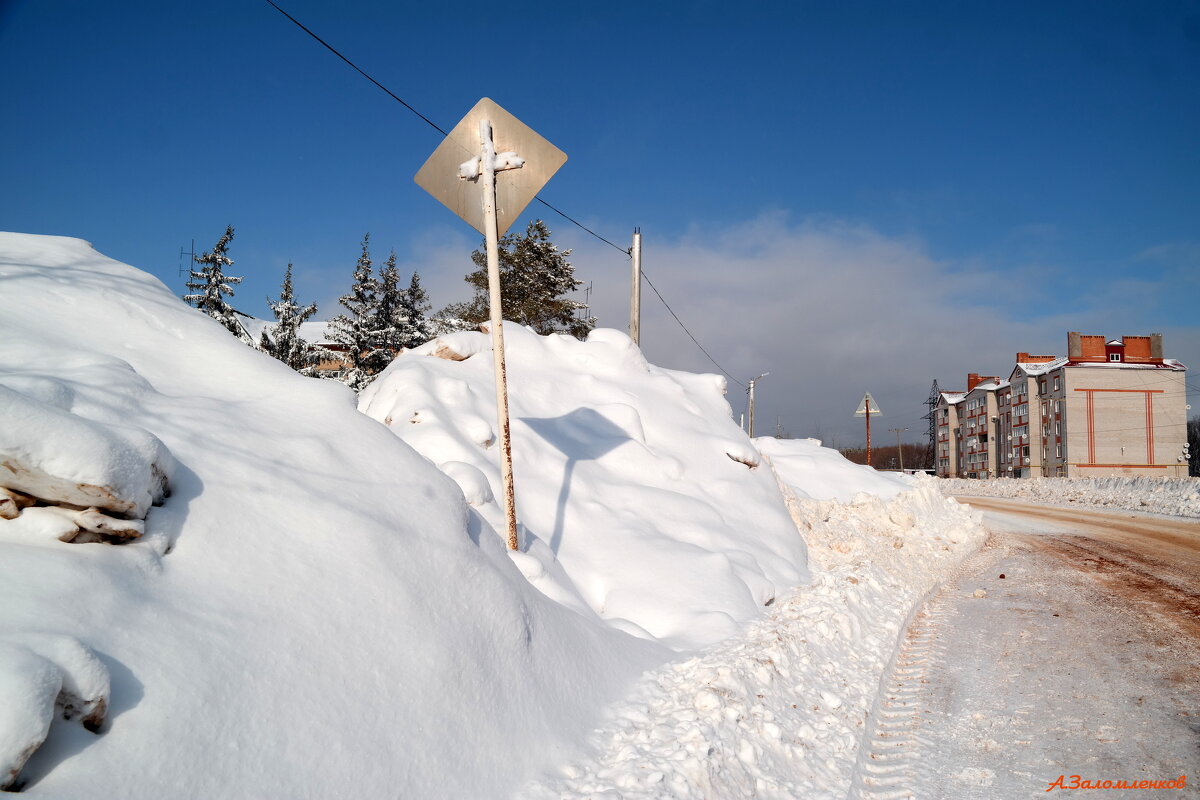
(833, 309)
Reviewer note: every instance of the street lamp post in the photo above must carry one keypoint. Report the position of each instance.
(750, 411)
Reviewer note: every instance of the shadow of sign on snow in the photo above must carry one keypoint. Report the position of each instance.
(580, 435)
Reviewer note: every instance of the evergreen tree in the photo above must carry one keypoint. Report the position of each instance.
(211, 285)
(284, 341)
(535, 279)
(356, 331)
(414, 304)
(450, 320)
(390, 320)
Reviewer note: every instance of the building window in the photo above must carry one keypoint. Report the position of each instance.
(1058, 451)
(1056, 383)
(1114, 356)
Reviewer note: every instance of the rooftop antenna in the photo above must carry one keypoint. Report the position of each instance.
(191, 254)
(582, 313)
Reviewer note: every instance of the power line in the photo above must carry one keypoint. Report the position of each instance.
(689, 333)
(562, 214)
(624, 250)
(334, 50)
(427, 120)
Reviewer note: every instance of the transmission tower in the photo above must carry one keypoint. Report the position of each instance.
(932, 402)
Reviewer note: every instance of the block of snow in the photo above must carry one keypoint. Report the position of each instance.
(62, 458)
(29, 686)
(40, 672)
(85, 681)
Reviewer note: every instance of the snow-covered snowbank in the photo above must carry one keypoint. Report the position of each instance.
(1179, 497)
(643, 503)
(779, 711)
(819, 473)
(311, 613)
(317, 610)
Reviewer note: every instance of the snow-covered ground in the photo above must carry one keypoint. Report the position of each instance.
(320, 605)
(1178, 497)
(779, 711)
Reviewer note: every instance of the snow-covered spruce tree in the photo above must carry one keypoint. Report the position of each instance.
(390, 320)
(450, 320)
(415, 305)
(535, 279)
(356, 331)
(211, 286)
(400, 313)
(282, 340)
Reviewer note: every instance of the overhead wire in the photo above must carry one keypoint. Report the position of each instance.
(689, 333)
(335, 51)
(561, 213)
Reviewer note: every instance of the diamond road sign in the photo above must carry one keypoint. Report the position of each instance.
(514, 188)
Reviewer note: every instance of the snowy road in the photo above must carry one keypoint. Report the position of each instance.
(1069, 646)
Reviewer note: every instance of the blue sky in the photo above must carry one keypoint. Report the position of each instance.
(853, 196)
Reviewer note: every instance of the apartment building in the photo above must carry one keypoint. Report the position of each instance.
(1109, 407)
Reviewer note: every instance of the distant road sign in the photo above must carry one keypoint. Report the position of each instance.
(864, 403)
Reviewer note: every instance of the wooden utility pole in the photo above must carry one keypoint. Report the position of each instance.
(635, 298)
(899, 447)
(867, 405)
(866, 408)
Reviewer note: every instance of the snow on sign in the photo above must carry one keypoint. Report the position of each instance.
(865, 403)
(531, 162)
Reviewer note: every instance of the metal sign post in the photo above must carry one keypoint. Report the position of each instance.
(469, 189)
(492, 236)
(866, 407)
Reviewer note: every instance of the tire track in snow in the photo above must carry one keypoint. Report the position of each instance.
(888, 763)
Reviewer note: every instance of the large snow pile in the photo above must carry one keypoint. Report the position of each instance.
(779, 711)
(819, 473)
(642, 501)
(1179, 497)
(310, 613)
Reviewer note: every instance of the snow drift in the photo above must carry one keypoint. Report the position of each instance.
(642, 502)
(311, 613)
(819, 473)
(1178, 497)
(779, 711)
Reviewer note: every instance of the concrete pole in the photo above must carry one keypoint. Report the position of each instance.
(899, 447)
(750, 410)
(492, 236)
(751, 407)
(867, 406)
(635, 299)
